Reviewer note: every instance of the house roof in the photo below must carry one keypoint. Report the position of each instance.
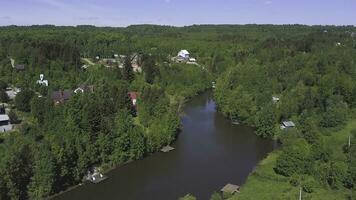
(133, 95)
(288, 124)
(4, 118)
(184, 51)
(230, 188)
(61, 95)
(5, 128)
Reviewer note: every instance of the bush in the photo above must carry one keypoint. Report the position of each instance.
(309, 185)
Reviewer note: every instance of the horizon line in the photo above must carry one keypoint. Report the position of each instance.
(182, 26)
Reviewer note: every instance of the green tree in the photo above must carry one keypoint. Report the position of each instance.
(43, 178)
(266, 121)
(3, 96)
(23, 99)
(127, 71)
(13, 117)
(294, 159)
(150, 69)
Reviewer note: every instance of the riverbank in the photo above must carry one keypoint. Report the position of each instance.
(264, 183)
(180, 101)
(207, 139)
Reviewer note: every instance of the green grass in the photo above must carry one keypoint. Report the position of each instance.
(264, 183)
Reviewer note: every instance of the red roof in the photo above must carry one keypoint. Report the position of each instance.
(133, 95)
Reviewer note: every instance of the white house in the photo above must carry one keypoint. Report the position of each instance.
(5, 123)
(184, 54)
(287, 124)
(42, 81)
(12, 92)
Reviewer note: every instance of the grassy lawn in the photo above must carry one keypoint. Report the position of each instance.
(264, 183)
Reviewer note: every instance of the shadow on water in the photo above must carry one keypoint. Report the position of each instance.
(210, 152)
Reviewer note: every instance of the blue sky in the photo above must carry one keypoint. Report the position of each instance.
(177, 12)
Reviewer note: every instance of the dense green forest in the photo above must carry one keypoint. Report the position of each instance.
(311, 69)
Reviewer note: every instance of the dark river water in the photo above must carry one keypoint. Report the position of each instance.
(209, 153)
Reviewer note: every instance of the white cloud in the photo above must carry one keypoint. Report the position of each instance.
(268, 2)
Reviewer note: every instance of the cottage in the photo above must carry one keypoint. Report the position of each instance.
(287, 125)
(12, 92)
(183, 54)
(5, 123)
(59, 97)
(84, 88)
(133, 96)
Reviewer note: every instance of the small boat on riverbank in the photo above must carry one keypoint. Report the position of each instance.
(235, 122)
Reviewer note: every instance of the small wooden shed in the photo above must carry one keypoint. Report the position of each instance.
(230, 188)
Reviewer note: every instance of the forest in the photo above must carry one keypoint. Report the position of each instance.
(311, 69)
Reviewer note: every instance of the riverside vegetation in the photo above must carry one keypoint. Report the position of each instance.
(311, 69)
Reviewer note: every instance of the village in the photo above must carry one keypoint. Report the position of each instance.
(10, 121)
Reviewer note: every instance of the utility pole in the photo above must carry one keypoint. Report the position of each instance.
(300, 193)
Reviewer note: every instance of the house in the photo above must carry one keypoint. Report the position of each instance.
(42, 81)
(133, 96)
(183, 54)
(12, 92)
(353, 34)
(5, 123)
(135, 60)
(287, 125)
(84, 88)
(20, 67)
(60, 96)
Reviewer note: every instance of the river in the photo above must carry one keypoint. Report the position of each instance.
(209, 153)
